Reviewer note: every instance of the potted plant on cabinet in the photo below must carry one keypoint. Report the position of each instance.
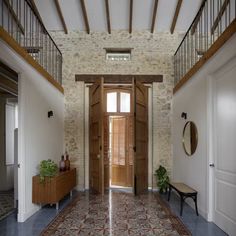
(162, 179)
(47, 168)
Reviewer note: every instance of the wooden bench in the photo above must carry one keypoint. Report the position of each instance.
(185, 192)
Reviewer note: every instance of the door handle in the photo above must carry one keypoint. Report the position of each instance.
(212, 165)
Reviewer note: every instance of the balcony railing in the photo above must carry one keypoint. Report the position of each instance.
(21, 21)
(212, 19)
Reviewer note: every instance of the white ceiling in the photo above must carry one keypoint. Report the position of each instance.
(119, 14)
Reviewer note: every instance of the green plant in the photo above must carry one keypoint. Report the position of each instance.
(162, 178)
(47, 168)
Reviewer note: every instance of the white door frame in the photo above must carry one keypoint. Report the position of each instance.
(210, 147)
(212, 134)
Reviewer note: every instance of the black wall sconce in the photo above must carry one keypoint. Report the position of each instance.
(184, 115)
(50, 113)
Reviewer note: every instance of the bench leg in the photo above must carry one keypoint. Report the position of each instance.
(195, 200)
(169, 194)
(181, 204)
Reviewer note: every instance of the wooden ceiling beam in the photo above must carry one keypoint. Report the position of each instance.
(61, 16)
(154, 15)
(175, 18)
(119, 79)
(130, 16)
(108, 16)
(14, 16)
(86, 22)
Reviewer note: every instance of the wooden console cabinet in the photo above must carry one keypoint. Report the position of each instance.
(53, 189)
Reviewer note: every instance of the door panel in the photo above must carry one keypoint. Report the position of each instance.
(119, 147)
(130, 164)
(140, 137)
(96, 170)
(225, 164)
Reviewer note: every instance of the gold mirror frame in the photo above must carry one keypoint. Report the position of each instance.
(190, 138)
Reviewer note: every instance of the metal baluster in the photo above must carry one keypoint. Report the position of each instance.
(213, 19)
(2, 14)
(8, 18)
(207, 19)
(20, 17)
(27, 24)
(220, 23)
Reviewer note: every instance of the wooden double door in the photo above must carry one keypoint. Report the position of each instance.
(129, 163)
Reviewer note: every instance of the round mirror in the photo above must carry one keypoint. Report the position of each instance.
(190, 138)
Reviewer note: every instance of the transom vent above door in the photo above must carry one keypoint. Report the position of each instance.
(123, 54)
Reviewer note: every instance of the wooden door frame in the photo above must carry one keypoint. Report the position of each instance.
(98, 86)
(150, 114)
(118, 89)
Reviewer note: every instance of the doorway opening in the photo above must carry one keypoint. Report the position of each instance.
(118, 144)
(8, 141)
(118, 136)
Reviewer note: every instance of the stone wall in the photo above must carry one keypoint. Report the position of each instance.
(85, 54)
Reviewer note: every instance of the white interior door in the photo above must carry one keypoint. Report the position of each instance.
(224, 213)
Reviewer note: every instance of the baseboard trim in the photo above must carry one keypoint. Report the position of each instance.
(23, 216)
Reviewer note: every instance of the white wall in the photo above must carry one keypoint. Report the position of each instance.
(6, 171)
(39, 137)
(194, 99)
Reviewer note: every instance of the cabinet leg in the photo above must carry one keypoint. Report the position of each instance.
(57, 206)
(169, 194)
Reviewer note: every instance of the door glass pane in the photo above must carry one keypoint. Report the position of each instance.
(124, 102)
(118, 141)
(112, 102)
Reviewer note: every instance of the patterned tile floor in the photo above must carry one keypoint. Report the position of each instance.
(117, 213)
(35, 224)
(6, 203)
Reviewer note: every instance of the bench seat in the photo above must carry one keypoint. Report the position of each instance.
(185, 192)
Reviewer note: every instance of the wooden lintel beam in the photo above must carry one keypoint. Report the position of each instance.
(130, 16)
(197, 19)
(175, 18)
(154, 15)
(108, 16)
(35, 49)
(119, 79)
(219, 16)
(14, 16)
(61, 16)
(86, 22)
